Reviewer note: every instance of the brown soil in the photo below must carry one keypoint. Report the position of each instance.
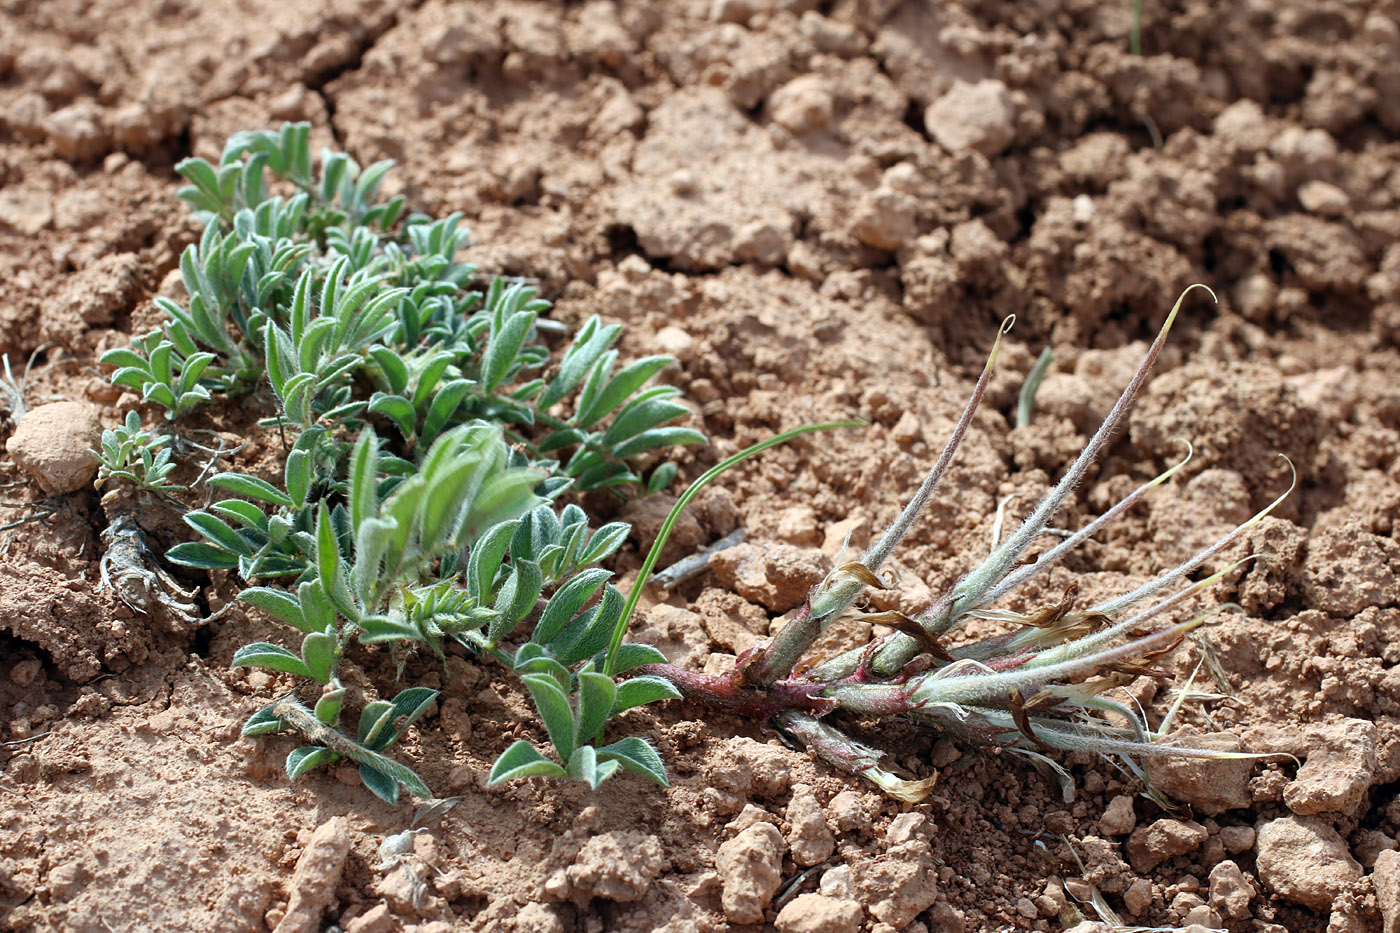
(828, 207)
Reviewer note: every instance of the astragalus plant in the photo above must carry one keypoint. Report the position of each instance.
(427, 428)
(1043, 687)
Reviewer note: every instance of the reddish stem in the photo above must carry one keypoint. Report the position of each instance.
(733, 692)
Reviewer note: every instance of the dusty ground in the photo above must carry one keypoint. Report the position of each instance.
(822, 209)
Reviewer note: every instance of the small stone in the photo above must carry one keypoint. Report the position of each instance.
(537, 918)
(1368, 844)
(683, 182)
(884, 218)
(907, 430)
(1052, 901)
(673, 341)
(945, 918)
(1152, 845)
(750, 868)
(1118, 817)
(1254, 297)
(1302, 859)
(26, 672)
(798, 525)
(808, 837)
(617, 866)
(77, 132)
(1323, 198)
(404, 892)
(1341, 761)
(803, 105)
(1201, 917)
(1210, 786)
(25, 210)
(100, 290)
(847, 812)
(833, 36)
(1026, 908)
(317, 874)
(817, 913)
(1138, 897)
(1237, 839)
(1185, 902)
(1103, 866)
(27, 114)
(763, 241)
(1078, 889)
(776, 577)
(1230, 892)
(733, 11)
(750, 815)
(899, 885)
(66, 879)
(54, 443)
(1386, 879)
(945, 752)
(838, 882)
(853, 533)
(905, 827)
(378, 919)
(973, 116)
(1082, 209)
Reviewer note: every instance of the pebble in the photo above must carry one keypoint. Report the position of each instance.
(77, 132)
(853, 533)
(673, 341)
(803, 105)
(1230, 892)
(973, 116)
(616, 866)
(808, 838)
(905, 827)
(1138, 897)
(907, 430)
(1210, 786)
(1201, 916)
(1341, 760)
(1386, 879)
(25, 210)
(838, 882)
(1152, 845)
(901, 884)
(54, 443)
(317, 873)
(750, 869)
(1237, 839)
(1323, 198)
(538, 918)
(1118, 817)
(25, 672)
(378, 919)
(732, 11)
(27, 114)
(817, 913)
(847, 812)
(776, 577)
(65, 879)
(884, 218)
(1302, 859)
(798, 525)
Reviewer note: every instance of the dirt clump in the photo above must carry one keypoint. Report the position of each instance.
(822, 210)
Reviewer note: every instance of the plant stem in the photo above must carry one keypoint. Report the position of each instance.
(694, 489)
